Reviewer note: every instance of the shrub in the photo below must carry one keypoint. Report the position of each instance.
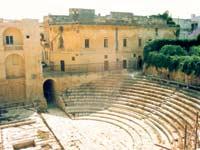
(174, 62)
(190, 65)
(195, 50)
(171, 50)
(158, 60)
(197, 69)
(183, 55)
(186, 65)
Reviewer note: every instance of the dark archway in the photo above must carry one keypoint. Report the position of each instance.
(49, 91)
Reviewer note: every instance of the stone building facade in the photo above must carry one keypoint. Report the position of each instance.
(189, 28)
(84, 38)
(20, 60)
(37, 60)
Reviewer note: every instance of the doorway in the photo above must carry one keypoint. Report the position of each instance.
(49, 91)
(139, 62)
(62, 65)
(124, 64)
(106, 65)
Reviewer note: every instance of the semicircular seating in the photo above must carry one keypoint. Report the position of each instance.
(152, 114)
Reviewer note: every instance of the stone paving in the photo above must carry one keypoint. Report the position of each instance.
(32, 134)
(87, 134)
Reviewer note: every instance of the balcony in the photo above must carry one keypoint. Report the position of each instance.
(13, 47)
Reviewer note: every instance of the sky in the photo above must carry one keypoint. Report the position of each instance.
(18, 9)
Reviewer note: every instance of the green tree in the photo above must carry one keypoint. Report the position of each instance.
(172, 50)
(187, 65)
(195, 50)
(174, 62)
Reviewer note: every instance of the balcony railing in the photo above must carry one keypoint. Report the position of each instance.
(13, 47)
(81, 68)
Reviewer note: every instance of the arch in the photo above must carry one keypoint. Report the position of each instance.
(12, 37)
(49, 91)
(14, 66)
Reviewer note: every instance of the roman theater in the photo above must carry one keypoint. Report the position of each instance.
(90, 82)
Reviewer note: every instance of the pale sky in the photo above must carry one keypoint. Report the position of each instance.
(17, 9)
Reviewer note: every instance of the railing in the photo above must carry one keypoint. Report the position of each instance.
(195, 86)
(13, 47)
(81, 68)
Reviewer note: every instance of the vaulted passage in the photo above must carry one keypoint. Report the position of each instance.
(49, 91)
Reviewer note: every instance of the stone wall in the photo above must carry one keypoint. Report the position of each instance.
(176, 76)
(74, 36)
(20, 60)
(65, 82)
(12, 90)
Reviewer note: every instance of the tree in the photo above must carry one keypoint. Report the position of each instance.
(174, 62)
(186, 66)
(197, 69)
(195, 50)
(172, 50)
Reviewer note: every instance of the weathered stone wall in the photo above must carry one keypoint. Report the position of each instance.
(20, 61)
(177, 76)
(12, 90)
(74, 42)
(65, 82)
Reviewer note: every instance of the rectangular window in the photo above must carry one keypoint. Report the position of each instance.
(124, 42)
(140, 42)
(9, 40)
(105, 43)
(87, 43)
(73, 58)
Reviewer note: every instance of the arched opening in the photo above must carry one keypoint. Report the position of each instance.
(49, 91)
(14, 66)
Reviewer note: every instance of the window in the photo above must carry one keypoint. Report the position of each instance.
(139, 42)
(73, 58)
(9, 40)
(156, 30)
(105, 43)
(27, 36)
(194, 26)
(87, 43)
(105, 56)
(124, 42)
